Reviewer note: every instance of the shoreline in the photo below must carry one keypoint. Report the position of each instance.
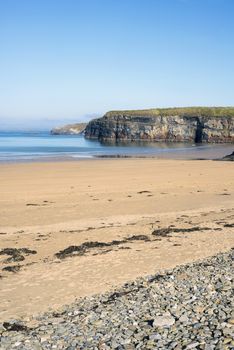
(183, 152)
(110, 157)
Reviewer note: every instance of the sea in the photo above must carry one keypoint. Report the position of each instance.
(42, 146)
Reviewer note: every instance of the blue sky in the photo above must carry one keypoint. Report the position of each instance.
(66, 60)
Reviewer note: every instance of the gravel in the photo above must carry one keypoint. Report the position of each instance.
(189, 307)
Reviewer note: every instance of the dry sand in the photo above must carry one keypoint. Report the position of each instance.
(48, 207)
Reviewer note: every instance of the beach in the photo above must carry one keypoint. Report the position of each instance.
(120, 219)
(116, 175)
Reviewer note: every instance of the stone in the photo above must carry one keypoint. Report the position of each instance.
(149, 313)
(18, 343)
(155, 336)
(163, 321)
(192, 346)
(184, 318)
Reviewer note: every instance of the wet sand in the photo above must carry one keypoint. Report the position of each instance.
(48, 207)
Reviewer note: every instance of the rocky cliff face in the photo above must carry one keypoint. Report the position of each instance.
(70, 129)
(180, 126)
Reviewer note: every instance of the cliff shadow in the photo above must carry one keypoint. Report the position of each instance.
(199, 132)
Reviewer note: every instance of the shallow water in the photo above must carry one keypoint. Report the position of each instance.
(28, 146)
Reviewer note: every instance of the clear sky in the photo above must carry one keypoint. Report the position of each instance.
(64, 60)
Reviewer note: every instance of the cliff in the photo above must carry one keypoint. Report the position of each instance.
(195, 124)
(70, 129)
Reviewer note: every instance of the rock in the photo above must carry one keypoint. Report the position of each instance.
(229, 157)
(172, 124)
(70, 129)
(192, 346)
(163, 321)
(155, 336)
(184, 318)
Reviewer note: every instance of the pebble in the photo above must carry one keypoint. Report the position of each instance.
(192, 346)
(163, 321)
(164, 312)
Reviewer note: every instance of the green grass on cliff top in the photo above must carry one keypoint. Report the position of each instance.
(180, 111)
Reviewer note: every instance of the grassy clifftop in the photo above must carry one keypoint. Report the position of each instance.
(180, 111)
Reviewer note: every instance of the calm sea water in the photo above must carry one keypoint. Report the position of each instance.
(27, 146)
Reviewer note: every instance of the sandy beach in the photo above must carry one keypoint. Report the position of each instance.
(125, 217)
